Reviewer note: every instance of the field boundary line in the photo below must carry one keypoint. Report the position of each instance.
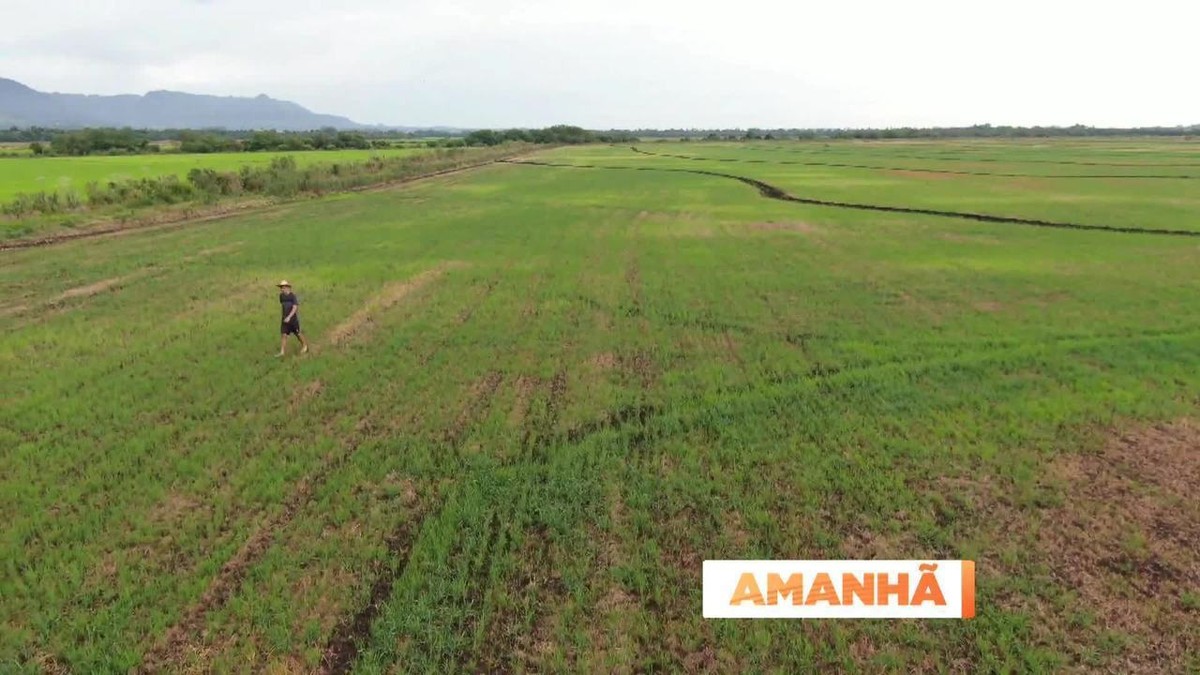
(772, 192)
(697, 158)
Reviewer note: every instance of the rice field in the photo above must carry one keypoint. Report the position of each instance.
(540, 395)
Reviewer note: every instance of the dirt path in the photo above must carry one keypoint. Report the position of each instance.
(360, 322)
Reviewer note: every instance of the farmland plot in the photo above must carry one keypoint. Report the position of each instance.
(540, 396)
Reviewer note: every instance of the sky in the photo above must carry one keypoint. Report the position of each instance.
(633, 63)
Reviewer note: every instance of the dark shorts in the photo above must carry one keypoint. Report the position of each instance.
(290, 327)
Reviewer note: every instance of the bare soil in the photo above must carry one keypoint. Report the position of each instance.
(361, 321)
(791, 226)
(1125, 538)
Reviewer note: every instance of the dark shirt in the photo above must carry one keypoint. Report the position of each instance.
(287, 301)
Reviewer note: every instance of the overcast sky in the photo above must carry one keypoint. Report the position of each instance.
(633, 63)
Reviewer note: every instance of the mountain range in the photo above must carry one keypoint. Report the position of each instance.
(23, 106)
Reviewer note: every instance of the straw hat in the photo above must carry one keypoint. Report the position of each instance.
(283, 283)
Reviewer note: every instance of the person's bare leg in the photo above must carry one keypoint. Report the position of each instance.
(282, 345)
(303, 343)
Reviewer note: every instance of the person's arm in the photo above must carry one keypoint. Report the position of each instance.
(295, 308)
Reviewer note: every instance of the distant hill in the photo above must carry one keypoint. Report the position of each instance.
(23, 106)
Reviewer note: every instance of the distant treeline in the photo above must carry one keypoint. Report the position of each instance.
(104, 141)
(976, 131)
(48, 134)
(560, 134)
(107, 141)
(135, 141)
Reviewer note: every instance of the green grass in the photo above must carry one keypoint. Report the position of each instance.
(37, 174)
(608, 377)
(1036, 190)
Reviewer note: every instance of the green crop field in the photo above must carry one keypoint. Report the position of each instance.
(540, 396)
(37, 174)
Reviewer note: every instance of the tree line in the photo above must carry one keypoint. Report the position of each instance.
(559, 134)
(974, 131)
(106, 141)
(94, 141)
(100, 141)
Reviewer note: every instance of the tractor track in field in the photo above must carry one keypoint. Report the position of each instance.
(341, 650)
(632, 421)
(636, 424)
(478, 586)
(695, 158)
(479, 401)
(363, 319)
(538, 425)
(771, 192)
(112, 284)
(168, 653)
(1068, 162)
(464, 315)
(484, 291)
(541, 432)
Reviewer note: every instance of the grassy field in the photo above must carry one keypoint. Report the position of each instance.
(539, 397)
(36, 174)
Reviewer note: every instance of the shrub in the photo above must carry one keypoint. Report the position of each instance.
(283, 177)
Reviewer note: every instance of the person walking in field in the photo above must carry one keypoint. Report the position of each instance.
(290, 305)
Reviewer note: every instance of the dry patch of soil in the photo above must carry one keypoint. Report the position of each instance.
(921, 175)
(104, 285)
(362, 320)
(988, 306)
(791, 226)
(304, 393)
(1126, 539)
(526, 388)
(604, 361)
(98, 287)
(968, 238)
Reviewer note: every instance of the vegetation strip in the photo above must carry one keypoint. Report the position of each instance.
(772, 192)
(905, 168)
(233, 210)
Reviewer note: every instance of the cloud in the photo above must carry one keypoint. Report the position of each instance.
(632, 63)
